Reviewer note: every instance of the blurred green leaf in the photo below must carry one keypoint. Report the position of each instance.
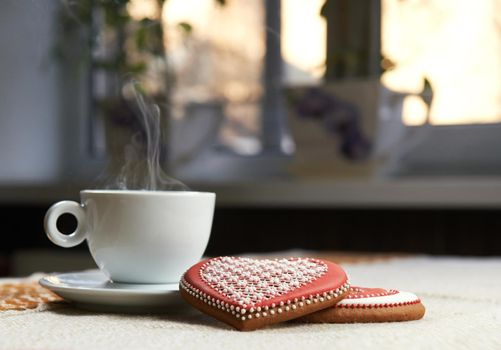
(136, 68)
(427, 85)
(141, 39)
(114, 19)
(148, 36)
(106, 65)
(120, 2)
(186, 27)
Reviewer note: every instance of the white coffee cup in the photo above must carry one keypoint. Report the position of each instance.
(138, 236)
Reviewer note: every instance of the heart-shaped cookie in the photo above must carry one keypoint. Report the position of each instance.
(371, 305)
(251, 293)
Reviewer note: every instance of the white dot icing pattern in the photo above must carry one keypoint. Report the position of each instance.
(249, 281)
(358, 293)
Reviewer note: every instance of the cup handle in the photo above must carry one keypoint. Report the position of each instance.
(58, 238)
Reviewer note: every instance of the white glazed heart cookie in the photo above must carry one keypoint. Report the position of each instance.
(250, 293)
(371, 305)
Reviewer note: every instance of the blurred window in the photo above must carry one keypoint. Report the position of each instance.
(219, 62)
(452, 48)
(304, 38)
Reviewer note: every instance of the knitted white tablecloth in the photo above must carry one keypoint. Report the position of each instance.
(462, 297)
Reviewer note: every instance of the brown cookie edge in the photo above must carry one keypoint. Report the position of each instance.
(361, 315)
(255, 323)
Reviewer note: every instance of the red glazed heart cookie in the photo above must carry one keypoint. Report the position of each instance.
(371, 305)
(251, 293)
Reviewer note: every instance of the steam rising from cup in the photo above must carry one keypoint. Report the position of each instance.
(141, 162)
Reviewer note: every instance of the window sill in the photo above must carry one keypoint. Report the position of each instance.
(391, 193)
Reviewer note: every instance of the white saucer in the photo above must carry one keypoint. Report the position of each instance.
(93, 290)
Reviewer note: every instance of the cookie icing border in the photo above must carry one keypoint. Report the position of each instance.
(265, 311)
(393, 299)
(246, 312)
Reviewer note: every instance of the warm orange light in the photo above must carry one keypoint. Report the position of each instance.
(139, 9)
(456, 45)
(415, 110)
(303, 40)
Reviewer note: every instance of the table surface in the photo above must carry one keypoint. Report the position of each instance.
(462, 297)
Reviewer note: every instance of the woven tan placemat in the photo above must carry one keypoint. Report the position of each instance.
(25, 296)
(28, 294)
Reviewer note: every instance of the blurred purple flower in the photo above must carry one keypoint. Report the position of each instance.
(339, 117)
(314, 103)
